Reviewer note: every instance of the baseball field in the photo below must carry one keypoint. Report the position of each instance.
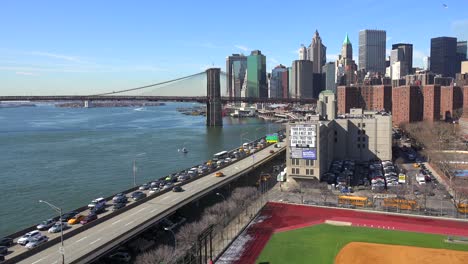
(324, 243)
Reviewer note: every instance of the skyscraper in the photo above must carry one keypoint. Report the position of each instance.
(345, 66)
(302, 80)
(236, 69)
(427, 63)
(443, 56)
(256, 75)
(279, 82)
(302, 52)
(317, 53)
(372, 44)
(401, 60)
(329, 70)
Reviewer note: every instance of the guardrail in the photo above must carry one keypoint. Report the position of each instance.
(82, 228)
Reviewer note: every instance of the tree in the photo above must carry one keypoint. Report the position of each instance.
(161, 255)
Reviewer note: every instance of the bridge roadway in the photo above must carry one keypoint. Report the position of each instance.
(200, 99)
(100, 239)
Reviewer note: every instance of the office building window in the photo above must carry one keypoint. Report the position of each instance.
(358, 138)
(295, 171)
(359, 132)
(309, 171)
(358, 145)
(363, 132)
(363, 145)
(363, 139)
(363, 124)
(295, 162)
(309, 163)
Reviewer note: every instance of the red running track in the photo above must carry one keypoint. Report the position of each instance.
(282, 217)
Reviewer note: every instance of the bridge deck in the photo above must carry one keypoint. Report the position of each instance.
(95, 241)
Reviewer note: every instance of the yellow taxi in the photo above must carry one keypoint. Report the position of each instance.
(219, 174)
(416, 165)
(76, 219)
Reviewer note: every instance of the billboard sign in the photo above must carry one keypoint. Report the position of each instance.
(303, 135)
(310, 154)
(296, 153)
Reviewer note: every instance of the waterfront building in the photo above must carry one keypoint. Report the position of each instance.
(279, 82)
(443, 56)
(314, 144)
(301, 80)
(256, 75)
(236, 69)
(372, 45)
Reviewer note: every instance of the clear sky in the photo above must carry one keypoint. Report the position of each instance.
(86, 47)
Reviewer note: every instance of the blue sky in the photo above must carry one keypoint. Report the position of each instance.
(86, 47)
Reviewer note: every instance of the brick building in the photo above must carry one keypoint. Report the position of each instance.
(407, 104)
(367, 97)
(451, 99)
(431, 102)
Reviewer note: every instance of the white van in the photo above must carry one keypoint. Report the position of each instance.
(100, 201)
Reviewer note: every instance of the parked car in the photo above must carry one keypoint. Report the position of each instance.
(67, 216)
(3, 250)
(28, 236)
(136, 196)
(76, 219)
(95, 202)
(177, 189)
(58, 226)
(6, 242)
(34, 242)
(45, 224)
(120, 257)
(89, 218)
(117, 206)
(119, 198)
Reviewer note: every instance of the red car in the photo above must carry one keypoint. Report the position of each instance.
(88, 218)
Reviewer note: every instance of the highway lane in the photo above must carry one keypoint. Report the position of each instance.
(86, 241)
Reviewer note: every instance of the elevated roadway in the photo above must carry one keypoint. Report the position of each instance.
(96, 241)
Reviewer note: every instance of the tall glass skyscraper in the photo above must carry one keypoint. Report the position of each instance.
(236, 69)
(279, 82)
(372, 44)
(256, 75)
(444, 56)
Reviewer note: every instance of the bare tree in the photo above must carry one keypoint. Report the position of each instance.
(163, 254)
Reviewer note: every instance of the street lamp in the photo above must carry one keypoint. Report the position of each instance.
(175, 240)
(59, 210)
(221, 196)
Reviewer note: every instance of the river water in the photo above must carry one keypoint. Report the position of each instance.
(69, 156)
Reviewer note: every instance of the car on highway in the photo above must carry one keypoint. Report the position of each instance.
(120, 257)
(3, 250)
(6, 241)
(136, 196)
(98, 201)
(67, 216)
(144, 187)
(177, 188)
(89, 218)
(272, 151)
(219, 174)
(76, 219)
(36, 242)
(117, 206)
(28, 236)
(120, 198)
(100, 208)
(58, 226)
(44, 225)
(168, 185)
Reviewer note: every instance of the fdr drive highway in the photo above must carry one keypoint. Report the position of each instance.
(99, 239)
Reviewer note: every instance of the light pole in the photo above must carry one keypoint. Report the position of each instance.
(59, 210)
(221, 196)
(175, 240)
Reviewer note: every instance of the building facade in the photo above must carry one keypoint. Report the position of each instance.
(443, 56)
(461, 54)
(367, 97)
(326, 105)
(407, 104)
(301, 80)
(314, 144)
(431, 102)
(256, 75)
(451, 100)
(345, 66)
(303, 53)
(236, 69)
(372, 45)
(279, 82)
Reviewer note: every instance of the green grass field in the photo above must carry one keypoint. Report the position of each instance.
(321, 243)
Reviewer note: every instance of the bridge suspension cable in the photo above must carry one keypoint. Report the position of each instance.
(151, 85)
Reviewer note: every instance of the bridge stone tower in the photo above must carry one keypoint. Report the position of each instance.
(214, 114)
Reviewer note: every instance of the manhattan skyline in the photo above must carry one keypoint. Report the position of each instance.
(55, 47)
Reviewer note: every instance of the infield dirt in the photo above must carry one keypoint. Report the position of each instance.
(359, 252)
